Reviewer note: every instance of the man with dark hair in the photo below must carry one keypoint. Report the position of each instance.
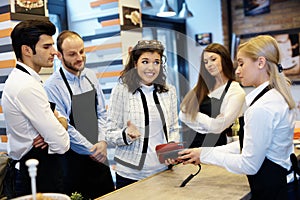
(33, 129)
(78, 95)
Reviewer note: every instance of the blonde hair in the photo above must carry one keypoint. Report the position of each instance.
(267, 47)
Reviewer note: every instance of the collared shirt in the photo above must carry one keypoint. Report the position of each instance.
(231, 109)
(268, 133)
(58, 93)
(27, 114)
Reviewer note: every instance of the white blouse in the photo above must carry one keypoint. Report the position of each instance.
(268, 132)
(231, 108)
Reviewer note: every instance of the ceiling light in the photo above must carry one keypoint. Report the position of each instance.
(165, 10)
(185, 13)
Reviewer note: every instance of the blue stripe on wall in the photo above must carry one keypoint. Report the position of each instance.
(6, 48)
(98, 36)
(3, 79)
(106, 91)
(110, 17)
(5, 9)
(105, 63)
(2, 131)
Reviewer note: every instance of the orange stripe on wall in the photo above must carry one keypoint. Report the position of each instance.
(100, 2)
(7, 63)
(110, 22)
(102, 47)
(108, 74)
(5, 32)
(3, 138)
(1, 109)
(4, 17)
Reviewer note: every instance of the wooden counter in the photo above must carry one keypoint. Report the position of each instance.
(211, 183)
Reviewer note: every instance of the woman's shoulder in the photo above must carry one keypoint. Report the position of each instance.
(120, 88)
(171, 88)
(237, 87)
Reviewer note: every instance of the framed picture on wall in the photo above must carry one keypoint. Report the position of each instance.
(289, 44)
(131, 18)
(203, 39)
(31, 7)
(256, 7)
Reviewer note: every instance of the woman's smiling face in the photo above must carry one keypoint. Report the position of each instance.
(148, 67)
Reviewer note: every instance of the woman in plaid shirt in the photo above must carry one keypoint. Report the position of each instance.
(142, 114)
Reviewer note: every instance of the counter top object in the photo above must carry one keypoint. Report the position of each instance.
(211, 183)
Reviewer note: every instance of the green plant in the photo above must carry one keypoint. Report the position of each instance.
(76, 196)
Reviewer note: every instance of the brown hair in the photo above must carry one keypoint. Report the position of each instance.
(129, 75)
(193, 99)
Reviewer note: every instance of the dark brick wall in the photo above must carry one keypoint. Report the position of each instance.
(284, 14)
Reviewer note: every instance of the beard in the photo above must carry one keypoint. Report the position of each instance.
(71, 67)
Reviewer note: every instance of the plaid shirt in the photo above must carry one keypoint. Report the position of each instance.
(125, 106)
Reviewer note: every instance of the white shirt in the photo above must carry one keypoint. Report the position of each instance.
(268, 132)
(230, 110)
(27, 114)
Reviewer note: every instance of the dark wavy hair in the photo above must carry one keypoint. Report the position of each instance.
(129, 75)
(28, 33)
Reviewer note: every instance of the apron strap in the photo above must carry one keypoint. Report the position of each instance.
(226, 89)
(69, 88)
(265, 90)
(22, 69)
(93, 86)
(66, 82)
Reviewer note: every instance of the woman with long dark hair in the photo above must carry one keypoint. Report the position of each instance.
(211, 107)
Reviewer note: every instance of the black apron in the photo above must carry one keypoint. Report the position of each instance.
(82, 174)
(49, 170)
(270, 182)
(210, 107)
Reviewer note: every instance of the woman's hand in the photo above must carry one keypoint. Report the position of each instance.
(132, 131)
(190, 156)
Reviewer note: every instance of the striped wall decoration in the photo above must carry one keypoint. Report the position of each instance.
(105, 42)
